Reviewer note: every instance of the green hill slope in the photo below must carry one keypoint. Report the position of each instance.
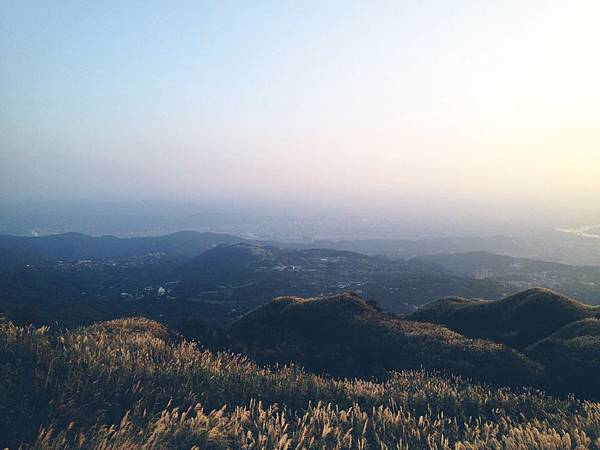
(344, 336)
(518, 320)
(585, 327)
(572, 356)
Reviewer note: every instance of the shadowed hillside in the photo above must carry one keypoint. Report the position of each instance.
(127, 384)
(572, 356)
(518, 321)
(236, 262)
(343, 335)
(585, 327)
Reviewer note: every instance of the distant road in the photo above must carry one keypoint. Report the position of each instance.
(583, 231)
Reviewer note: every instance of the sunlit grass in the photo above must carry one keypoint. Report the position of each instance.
(129, 383)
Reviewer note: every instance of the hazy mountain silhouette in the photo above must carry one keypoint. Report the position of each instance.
(256, 274)
(77, 246)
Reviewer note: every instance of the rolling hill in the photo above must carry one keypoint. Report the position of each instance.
(344, 336)
(519, 320)
(255, 274)
(244, 262)
(572, 355)
(408, 248)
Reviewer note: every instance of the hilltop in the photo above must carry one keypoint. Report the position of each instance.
(254, 274)
(245, 258)
(518, 320)
(344, 336)
(129, 384)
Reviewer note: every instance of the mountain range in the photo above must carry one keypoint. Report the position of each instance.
(255, 274)
(77, 246)
(257, 345)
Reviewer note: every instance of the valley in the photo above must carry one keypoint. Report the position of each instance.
(49, 280)
(307, 225)
(282, 326)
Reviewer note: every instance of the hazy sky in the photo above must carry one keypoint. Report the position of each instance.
(377, 104)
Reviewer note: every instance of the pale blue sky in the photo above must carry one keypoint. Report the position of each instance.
(368, 103)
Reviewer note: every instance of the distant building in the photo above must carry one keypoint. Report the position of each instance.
(483, 273)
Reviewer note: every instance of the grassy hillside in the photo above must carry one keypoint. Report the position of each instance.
(344, 336)
(518, 320)
(130, 383)
(572, 355)
(585, 327)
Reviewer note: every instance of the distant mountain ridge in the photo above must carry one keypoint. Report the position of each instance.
(500, 265)
(77, 246)
(255, 257)
(188, 244)
(578, 281)
(256, 273)
(407, 248)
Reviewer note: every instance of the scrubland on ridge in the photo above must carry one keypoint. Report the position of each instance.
(131, 383)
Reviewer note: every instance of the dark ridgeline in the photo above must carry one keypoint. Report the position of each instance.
(77, 246)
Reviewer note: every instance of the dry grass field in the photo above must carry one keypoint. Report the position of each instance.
(132, 384)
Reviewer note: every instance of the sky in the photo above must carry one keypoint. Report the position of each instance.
(369, 106)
